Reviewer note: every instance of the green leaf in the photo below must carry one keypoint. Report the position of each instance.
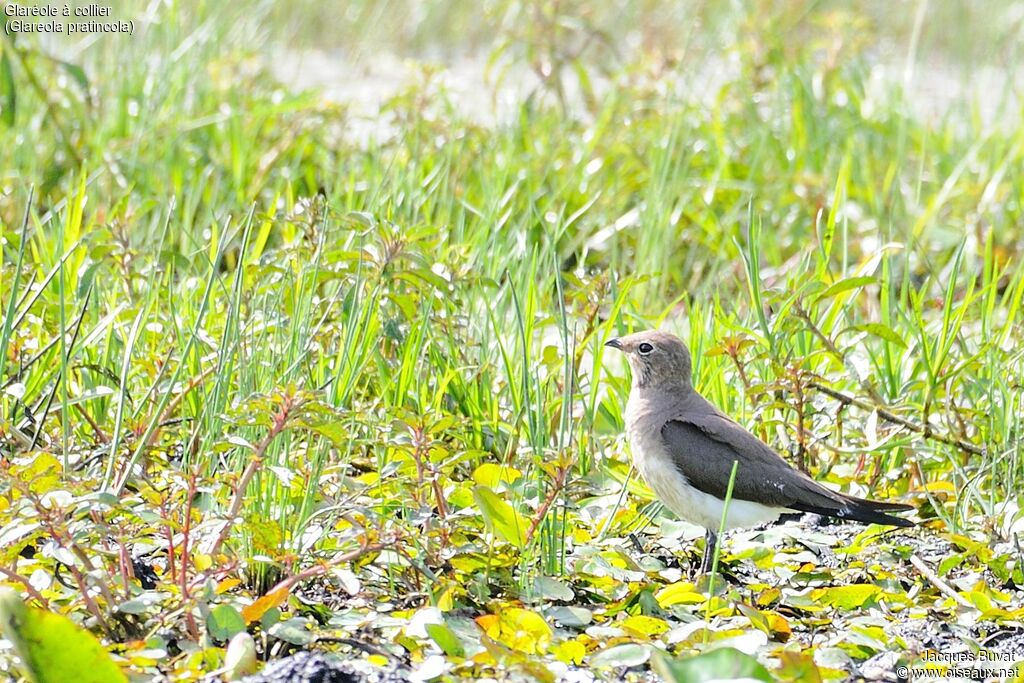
(240, 658)
(270, 618)
(8, 92)
(572, 617)
(949, 562)
(335, 432)
(52, 648)
(446, 640)
(838, 199)
(134, 607)
(295, 631)
(724, 663)
(883, 331)
(501, 518)
(845, 285)
(628, 654)
(553, 589)
(846, 597)
(86, 279)
(224, 622)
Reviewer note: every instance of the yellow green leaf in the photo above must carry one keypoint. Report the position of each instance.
(846, 597)
(52, 648)
(980, 600)
(444, 598)
(42, 472)
(643, 625)
(492, 474)
(446, 639)
(501, 518)
(519, 629)
(757, 618)
(679, 593)
(378, 660)
(768, 596)
(569, 651)
(845, 285)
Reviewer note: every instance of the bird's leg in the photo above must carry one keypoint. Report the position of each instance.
(636, 543)
(710, 542)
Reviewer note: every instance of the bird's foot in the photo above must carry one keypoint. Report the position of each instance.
(708, 559)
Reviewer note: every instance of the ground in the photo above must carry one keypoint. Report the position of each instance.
(302, 324)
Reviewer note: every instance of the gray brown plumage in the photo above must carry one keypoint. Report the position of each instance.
(684, 447)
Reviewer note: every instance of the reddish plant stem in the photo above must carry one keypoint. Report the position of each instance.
(127, 571)
(57, 533)
(279, 424)
(169, 533)
(832, 349)
(46, 521)
(14, 576)
(926, 430)
(186, 525)
(100, 434)
(542, 511)
(173, 404)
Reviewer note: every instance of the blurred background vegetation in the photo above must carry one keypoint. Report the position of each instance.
(340, 273)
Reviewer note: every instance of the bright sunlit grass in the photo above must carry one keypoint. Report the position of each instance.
(248, 349)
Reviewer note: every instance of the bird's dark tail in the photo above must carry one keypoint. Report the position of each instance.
(873, 511)
(861, 510)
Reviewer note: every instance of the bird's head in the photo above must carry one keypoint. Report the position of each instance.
(658, 359)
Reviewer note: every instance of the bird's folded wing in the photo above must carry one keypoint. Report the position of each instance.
(703, 447)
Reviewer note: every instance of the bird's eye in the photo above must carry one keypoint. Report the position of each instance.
(645, 348)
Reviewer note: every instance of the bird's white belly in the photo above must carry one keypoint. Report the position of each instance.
(687, 502)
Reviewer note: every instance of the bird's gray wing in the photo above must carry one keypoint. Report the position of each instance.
(704, 445)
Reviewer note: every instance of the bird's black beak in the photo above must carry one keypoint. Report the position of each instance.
(614, 343)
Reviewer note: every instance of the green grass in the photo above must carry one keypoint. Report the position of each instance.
(242, 345)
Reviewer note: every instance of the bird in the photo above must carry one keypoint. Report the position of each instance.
(684, 448)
